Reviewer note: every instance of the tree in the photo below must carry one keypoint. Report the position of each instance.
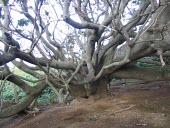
(79, 46)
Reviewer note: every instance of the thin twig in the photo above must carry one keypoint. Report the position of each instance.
(122, 110)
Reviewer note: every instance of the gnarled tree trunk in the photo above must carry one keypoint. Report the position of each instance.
(99, 88)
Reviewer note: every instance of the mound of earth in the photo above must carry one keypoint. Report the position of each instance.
(136, 106)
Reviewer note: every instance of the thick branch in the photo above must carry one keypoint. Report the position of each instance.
(85, 25)
(7, 57)
(22, 66)
(53, 63)
(67, 19)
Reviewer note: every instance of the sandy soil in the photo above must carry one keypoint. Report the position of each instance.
(137, 106)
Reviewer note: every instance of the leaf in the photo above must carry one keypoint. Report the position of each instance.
(30, 7)
(23, 22)
(46, 13)
(2, 17)
(5, 2)
(19, 30)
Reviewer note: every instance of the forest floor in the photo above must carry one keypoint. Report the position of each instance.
(134, 106)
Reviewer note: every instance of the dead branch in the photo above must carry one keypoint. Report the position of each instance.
(125, 109)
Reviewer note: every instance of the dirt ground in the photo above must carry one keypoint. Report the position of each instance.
(135, 106)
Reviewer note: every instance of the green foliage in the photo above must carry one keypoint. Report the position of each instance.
(2, 17)
(5, 2)
(46, 97)
(136, 1)
(19, 30)
(25, 75)
(46, 13)
(23, 22)
(8, 92)
(143, 65)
